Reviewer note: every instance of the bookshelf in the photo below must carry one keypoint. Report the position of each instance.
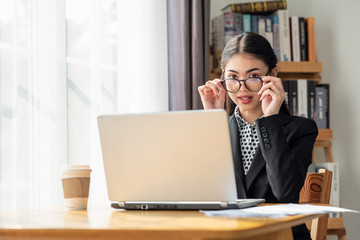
(312, 71)
(300, 70)
(300, 67)
(309, 71)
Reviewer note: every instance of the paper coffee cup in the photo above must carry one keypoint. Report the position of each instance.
(76, 185)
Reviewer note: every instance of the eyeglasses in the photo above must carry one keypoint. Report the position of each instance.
(252, 84)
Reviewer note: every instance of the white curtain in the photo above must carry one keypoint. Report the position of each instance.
(62, 63)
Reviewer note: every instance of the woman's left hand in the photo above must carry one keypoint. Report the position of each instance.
(272, 95)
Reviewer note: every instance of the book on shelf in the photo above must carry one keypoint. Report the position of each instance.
(293, 99)
(303, 39)
(311, 85)
(306, 98)
(246, 23)
(254, 24)
(300, 97)
(295, 38)
(276, 36)
(310, 25)
(286, 89)
(238, 23)
(269, 30)
(322, 105)
(255, 7)
(261, 25)
(284, 35)
(228, 26)
(335, 185)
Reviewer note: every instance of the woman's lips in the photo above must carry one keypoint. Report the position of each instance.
(245, 99)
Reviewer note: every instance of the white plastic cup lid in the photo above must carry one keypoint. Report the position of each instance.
(76, 168)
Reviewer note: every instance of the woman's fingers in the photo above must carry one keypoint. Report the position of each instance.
(272, 95)
(272, 90)
(275, 80)
(267, 86)
(272, 82)
(215, 85)
(212, 94)
(267, 93)
(204, 89)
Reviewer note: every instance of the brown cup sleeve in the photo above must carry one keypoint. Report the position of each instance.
(76, 187)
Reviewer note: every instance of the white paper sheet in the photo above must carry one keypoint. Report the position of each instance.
(277, 211)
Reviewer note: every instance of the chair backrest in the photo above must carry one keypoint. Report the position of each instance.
(317, 189)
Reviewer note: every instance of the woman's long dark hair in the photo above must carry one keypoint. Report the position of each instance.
(257, 46)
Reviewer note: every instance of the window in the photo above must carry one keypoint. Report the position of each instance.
(62, 63)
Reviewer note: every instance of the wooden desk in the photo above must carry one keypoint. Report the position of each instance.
(106, 223)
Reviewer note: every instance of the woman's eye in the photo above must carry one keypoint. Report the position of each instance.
(254, 75)
(233, 77)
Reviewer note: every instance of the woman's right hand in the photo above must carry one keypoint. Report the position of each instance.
(212, 94)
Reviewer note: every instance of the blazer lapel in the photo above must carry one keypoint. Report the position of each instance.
(237, 157)
(259, 162)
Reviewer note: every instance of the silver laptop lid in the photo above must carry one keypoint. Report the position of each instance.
(170, 156)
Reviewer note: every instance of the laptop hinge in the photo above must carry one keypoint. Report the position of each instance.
(121, 204)
(223, 204)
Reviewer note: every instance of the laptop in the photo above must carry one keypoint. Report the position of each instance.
(178, 160)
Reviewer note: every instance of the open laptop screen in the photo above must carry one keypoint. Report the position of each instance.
(170, 156)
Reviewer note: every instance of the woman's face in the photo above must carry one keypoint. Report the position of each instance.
(243, 66)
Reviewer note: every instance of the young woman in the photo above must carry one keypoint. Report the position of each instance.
(271, 149)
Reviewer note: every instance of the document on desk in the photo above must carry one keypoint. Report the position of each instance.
(277, 211)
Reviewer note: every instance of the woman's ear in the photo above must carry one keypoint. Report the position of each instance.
(275, 72)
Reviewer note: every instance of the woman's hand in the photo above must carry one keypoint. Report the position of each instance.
(212, 94)
(272, 95)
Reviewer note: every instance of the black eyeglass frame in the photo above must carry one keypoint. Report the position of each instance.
(244, 80)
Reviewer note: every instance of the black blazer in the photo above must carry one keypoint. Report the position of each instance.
(280, 164)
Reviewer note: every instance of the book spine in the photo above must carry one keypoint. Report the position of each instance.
(238, 23)
(229, 26)
(311, 99)
(276, 36)
(254, 23)
(335, 187)
(327, 103)
(246, 23)
(261, 25)
(286, 36)
(303, 40)
(320, 107)
(268, 30)
(295, 38)
(285, 50)
(310, 22)
(293, 97)
(258, 7)
(286, 89)
(302, 97)
(268, 24)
